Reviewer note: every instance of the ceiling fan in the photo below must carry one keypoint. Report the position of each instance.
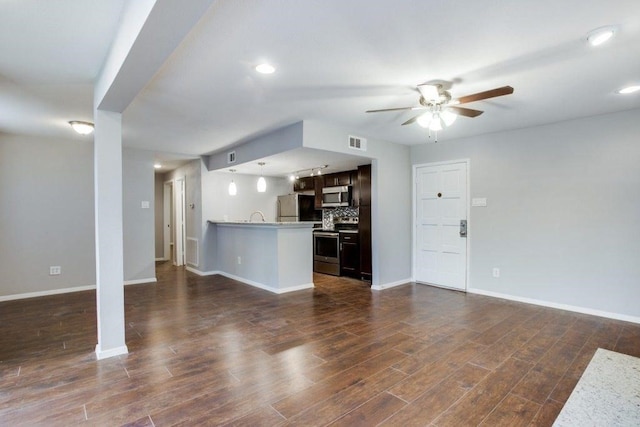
(441, 108)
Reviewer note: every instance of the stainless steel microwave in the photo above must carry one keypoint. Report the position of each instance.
(333, 197)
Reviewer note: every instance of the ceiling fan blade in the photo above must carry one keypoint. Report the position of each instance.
(411, 120)
(429, 92)
(467, 112)
(500, 91)
(395, 109)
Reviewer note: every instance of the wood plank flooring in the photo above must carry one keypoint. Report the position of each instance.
(212, 351)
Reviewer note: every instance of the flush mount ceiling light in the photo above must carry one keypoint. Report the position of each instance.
(262, 183)
(265, 68)
(629, 89)
(233, 190)
(157, 165)
(83, 128)
(600, 35)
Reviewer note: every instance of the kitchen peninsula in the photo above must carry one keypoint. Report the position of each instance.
(275, 256)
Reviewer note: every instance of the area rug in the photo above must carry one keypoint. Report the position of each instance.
(607, 394)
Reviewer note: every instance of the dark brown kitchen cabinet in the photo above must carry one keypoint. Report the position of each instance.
(364, 221)
(318, 183)
(364, 185)
(349, 255)
(339, 178)
(304, 184)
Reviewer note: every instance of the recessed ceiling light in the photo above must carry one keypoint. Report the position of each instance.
(157, 166)
(265, 68)
(629, 89)
(600, 35)
(83, 128)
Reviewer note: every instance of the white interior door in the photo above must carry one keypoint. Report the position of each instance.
(179, 192)
(166, 219)
(441, 203)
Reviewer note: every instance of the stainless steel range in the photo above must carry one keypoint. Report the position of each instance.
(327, 245)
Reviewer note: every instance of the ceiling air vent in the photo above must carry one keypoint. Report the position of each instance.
(357, 143)
(231, 157)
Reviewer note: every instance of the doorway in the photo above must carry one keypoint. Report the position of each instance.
(179, 215)
(167, 223)
(174, 211)
(441, 209)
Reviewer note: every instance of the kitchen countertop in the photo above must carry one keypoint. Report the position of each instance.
(607, 394)
(268, 224)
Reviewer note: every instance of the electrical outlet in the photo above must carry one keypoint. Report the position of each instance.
(496, 272)
(55, 270)
(239, 260)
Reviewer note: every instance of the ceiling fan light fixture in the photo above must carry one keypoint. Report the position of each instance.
(425, 120)
(448, 117)
(600, 36)
(429, 92)
(435, 124)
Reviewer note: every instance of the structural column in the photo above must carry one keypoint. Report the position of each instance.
(109, 246)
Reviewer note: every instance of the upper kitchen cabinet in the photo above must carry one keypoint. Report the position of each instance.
(318, 185)
(364, 185)
(304, 184)
(339, 178)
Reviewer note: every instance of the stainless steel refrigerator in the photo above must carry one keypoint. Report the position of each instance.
(297, 207)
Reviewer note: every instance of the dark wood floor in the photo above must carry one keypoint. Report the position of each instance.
(211, 351)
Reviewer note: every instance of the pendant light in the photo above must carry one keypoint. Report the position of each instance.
(233, 190)
(262, 183)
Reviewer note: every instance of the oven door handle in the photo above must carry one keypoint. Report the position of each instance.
(325, 234)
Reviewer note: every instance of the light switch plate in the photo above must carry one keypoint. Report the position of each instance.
(145, 204)
(479, 201)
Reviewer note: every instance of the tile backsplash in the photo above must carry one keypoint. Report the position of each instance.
(329, 214)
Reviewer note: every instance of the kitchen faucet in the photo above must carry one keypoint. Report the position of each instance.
(256, 212)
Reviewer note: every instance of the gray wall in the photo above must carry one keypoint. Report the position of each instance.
(562, 220)
(46, 214)
(138, 222)
(391, 198)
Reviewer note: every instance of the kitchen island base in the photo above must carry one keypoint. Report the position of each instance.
(276, 257)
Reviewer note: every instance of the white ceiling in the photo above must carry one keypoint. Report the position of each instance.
(335, 59)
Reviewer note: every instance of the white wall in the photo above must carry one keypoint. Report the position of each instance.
(218, 204)
(391, 198)
(138, 223)
(46, 214)
(562, 221)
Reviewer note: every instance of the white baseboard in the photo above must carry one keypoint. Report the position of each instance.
(47, 293)
(162, 259)
(265, 287)
(391, 284)
(576, 309)
(201, 273)
(104, 354)
(139, 281)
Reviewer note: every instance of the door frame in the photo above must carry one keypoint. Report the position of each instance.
(414, 222)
